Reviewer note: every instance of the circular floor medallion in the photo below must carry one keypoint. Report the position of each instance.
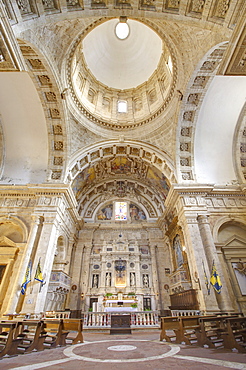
(173, 350)
(122, 348)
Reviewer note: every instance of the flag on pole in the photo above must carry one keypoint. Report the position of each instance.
(27, 277)
(215, 279)
(38, 274)
(206, 279)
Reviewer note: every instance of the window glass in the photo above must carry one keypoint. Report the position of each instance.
(120, 211)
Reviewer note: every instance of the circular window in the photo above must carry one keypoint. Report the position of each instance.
(122, 30)
(132, 264)
(108, 265)
(96, 267)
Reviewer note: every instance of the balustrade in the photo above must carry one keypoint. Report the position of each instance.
(103, 319)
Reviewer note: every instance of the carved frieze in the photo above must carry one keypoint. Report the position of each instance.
(50, 96)
(237, 65)
(185, 147)
(185, 161)
(55, 113)
(56, 175)
(209, 66)
(172, 5)
(97, 4)
(48, 4)
(58, 145)
(36, 63)
(196, 6)
(193, 99)
(57, 129)
(188, 116)
(17, 202)
(44, 80)
(200, 81)
(186, 131)
(187, 175)
(121, 4)
(147, 4)
(75, 4)
(58, 161)
(27, 7)
(220, 8)
(27, 50)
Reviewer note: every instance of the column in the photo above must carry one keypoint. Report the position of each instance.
(223, 298)
(163, 261)
(85, 271)
(155, 280)
(16, 294)
(35, 300)
(196, 257)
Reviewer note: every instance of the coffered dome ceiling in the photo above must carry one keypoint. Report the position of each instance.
(103, 70)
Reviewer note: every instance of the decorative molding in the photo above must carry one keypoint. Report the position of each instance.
(52, 104)
(192, 101)
(98, 100)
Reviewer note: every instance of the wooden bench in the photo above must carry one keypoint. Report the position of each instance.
(188, 328)
(73, 325)
(234, 334)
(210, 331)
(8, 342)
(55, 335)
(32, 335)
(169, 328)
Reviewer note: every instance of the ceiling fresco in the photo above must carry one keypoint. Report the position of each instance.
(120, 166)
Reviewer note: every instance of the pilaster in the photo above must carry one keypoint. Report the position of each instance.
(223, 298)
(30, 245)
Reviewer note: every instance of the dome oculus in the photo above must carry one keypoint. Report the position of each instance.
(122, 30)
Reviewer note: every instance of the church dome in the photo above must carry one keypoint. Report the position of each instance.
(121, 83)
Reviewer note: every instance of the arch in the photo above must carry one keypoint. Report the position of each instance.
(50, 94)
(226, 220)
(106, 149)
(14, 229)
(189, 113)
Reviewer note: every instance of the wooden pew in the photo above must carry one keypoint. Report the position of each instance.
(234, 334)
(188, 327)
(32, 334)
(55, 335)
(73, 325)
(8, 344)
(179, 329)
(210, 331)
(169, 328)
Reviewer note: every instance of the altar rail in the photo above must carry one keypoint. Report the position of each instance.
(138, 319)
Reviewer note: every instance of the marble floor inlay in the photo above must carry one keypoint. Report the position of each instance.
(121, 348)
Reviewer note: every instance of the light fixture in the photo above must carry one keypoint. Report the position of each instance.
(122, 29)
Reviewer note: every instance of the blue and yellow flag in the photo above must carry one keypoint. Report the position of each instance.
(27, 277)
(215, 279)
(38, 274)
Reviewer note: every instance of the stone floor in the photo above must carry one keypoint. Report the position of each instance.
(126, 352)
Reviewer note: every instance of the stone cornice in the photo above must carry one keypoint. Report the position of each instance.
(39, 196)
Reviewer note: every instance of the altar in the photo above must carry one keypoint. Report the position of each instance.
(116, 305)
